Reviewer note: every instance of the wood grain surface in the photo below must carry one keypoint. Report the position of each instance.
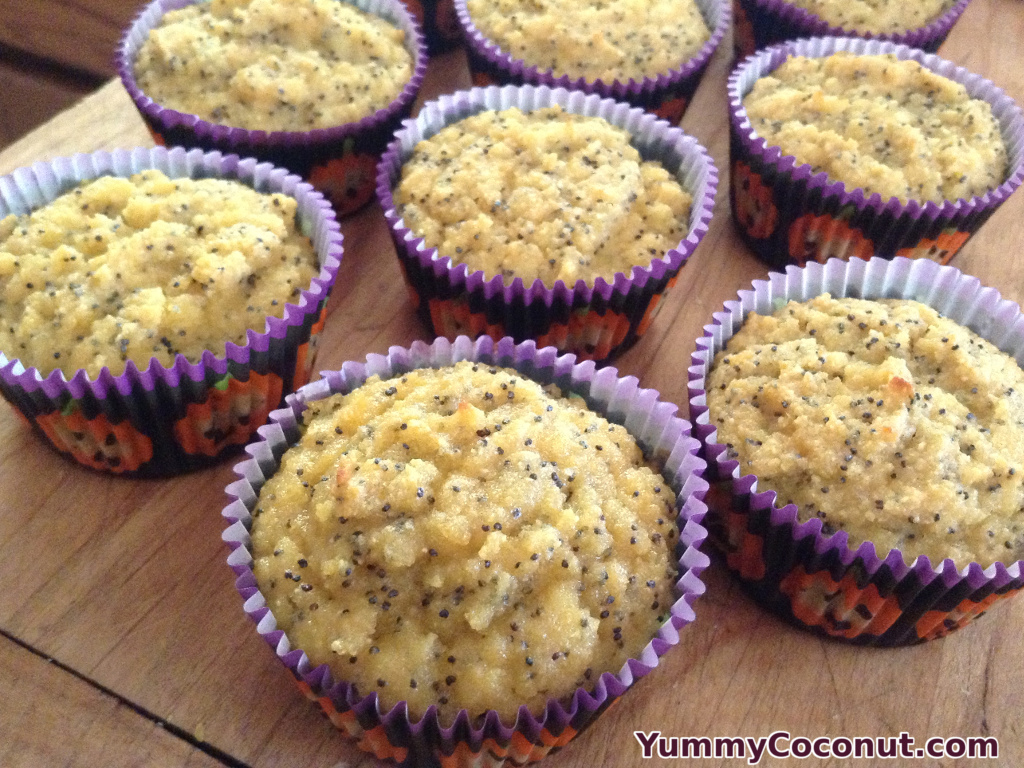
(95, 726)
(79, 35)
(124, 583)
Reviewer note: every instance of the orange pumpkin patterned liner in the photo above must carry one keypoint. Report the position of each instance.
(167, 420)
(96, 442)
(813, 578)
(595, 321)
(787, 214)
(466, 742)
(227, 415)
(305, 356)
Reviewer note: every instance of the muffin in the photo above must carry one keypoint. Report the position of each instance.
(545, 195)
(485, 544)
(315, 86)
(651, 55)
(575, 253)
(924, 25)
(869, 148)
(157, 305)
(866, 446)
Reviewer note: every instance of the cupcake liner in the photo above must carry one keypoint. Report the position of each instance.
(761, 23)
(163, 421)
(593, 321)
(666, 95)
(339, 161)
(818, 581)
(485, 740)
(439, 23)
(788, 214)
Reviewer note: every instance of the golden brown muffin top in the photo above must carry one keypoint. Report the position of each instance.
(882, 124)
(883, 419)
(461, 538)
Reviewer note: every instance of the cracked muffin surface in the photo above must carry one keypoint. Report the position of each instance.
(883, 419)
(462, 538)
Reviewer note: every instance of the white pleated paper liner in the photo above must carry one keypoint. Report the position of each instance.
(339, 161)
(814, 579)
(594, 321)
(666, 95)
(787, 214)
(762, 23)
(164, 421)
(483, 739)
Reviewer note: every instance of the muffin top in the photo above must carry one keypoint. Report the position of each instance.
(607, 39)
(544, 195)
(148, 267)
(876, 16)
(881, 124)
(461, 538)
(274, 65)
(882, 418)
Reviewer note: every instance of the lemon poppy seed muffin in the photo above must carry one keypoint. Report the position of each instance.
(546, 195)
(876, 16)
(460, 537)
(883, 419)
(145, 267)
(274, 65)
(881, 124)
(608, 40)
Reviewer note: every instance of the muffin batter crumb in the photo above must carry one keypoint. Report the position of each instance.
(883, 419)
(882, 124)
(544, 195)
(605, 40)
(274, 65)
(148, 267)
(877, 16)
(459, 537)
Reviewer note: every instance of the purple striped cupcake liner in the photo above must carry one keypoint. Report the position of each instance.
(788, 214)
(440, 25)
(761, 23)
(484, 739)
(818, 581)
(666, 95)
(164, 421)
(594, 321)
(339, 161)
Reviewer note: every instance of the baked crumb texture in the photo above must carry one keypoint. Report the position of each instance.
(145, 268)
(835, 154)
(883, 419)
(876, 16)
(274, 65)
(544, 195)
(885, 125)
(606, 40)
(462, 538)
(759, 24)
